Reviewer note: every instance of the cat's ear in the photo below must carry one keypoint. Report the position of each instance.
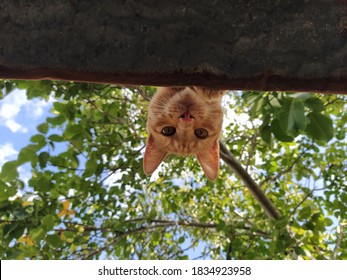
(209, 160)
(153, 156)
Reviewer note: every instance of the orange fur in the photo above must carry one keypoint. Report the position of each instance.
(185, 110)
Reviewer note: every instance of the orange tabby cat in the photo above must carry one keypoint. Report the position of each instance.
(184, 121)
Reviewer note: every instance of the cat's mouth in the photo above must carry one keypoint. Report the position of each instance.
(186, 117)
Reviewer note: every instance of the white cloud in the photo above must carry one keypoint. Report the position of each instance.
(14, 126)
(17, 103)
(9, 111)
(37, 112)
(37, 107)
(7, 152)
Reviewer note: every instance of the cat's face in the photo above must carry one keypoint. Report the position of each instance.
(184, 121)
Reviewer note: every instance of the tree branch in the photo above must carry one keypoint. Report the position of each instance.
(254, 188)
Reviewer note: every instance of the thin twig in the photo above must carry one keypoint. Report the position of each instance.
(301, 202)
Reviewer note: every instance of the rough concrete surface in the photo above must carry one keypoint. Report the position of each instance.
(232, 44)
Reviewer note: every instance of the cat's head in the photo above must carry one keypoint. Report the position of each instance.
(184, 121)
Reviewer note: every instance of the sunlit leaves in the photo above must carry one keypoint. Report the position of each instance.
(27, 240)
(289, 115)
(66, 211)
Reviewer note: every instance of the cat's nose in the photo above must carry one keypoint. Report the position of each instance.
(186, 117)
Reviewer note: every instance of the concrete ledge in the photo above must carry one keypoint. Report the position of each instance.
(231, 44)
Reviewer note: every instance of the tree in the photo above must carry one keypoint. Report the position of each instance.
(88, 197)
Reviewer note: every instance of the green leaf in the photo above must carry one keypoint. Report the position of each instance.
(152, 214)
(118, 251)
(77, 141)
(37, 234)
(66, 109)
(265, 134)
(315, 104)
(40, 183)
(305, 213)
(39, 88)
(256, 106)
(43, 128)
(91, 166)
(8, 228)
(9, 171)
(279, 132)
(6, 191)
(38, 138)
(301, 95)
(21, 214)
(59, 120)
(274, 102)
(56, 138)
(73, 130)
(43, 159)
(60, 106)
(48, 222)
(58, 161)
(156, 236)
(35, 147)
(299, 251)
(292, 117)
(26, 155)
(320, 127)
(54, 241)
(222, 226)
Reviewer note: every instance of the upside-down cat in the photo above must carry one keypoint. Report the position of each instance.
(184, 121)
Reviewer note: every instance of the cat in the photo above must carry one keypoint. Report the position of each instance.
(184, 121)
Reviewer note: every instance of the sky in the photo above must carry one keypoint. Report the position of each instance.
(19, 118)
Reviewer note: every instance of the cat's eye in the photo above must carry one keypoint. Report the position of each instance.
(168, 131)
(201, 133)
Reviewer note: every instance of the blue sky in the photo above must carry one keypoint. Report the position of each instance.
(19, 118)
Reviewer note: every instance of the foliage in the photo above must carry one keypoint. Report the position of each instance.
(88, 197)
